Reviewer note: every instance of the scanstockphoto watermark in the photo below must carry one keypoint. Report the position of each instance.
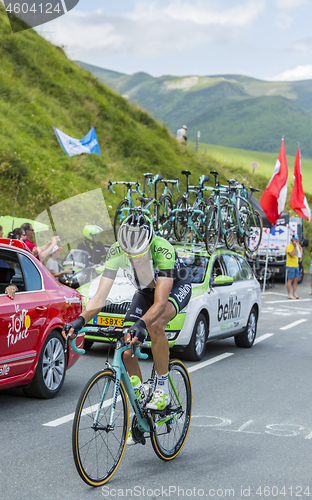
(25, 14)
(167, 492)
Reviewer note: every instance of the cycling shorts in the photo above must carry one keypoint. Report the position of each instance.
(143, 299)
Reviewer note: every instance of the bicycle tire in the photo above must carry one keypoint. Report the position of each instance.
(253, 231)
(122, 212)
(164, 222)
(168, 438)
(212, 229)
(97, 453)
(180, 220)
(231, 225)
(243, 212)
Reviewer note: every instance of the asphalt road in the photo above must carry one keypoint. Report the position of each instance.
(250, 436)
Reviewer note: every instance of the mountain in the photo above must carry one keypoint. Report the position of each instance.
(229, 110)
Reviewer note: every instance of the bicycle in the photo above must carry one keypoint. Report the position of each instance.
(101, 421)
(158, 210)
(189, 220)
(126, 206)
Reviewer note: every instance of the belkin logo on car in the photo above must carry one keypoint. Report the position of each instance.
(229, 310)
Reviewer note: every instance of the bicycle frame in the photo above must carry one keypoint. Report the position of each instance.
(118, 367)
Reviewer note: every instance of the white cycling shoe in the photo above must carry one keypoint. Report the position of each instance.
(160, 400)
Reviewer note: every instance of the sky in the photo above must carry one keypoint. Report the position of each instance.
(265, 39)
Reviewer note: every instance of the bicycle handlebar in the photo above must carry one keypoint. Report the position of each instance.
(74, 348)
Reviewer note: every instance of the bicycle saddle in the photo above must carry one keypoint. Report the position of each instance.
(254, 190)
(157, 178)
(186, 172)
(203, 179)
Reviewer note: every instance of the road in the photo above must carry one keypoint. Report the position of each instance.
(250, 436)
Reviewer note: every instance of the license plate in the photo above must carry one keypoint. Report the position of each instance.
(108, 321)
(275, 269)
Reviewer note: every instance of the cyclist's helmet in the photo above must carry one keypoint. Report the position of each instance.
(90, 231)
(135, 235)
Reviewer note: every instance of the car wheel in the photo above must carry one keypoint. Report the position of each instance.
(88, 344)
(197, 346)
(247, 338)
(51, 368)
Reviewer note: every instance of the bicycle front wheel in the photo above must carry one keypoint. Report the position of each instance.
(253, 231)
(97, 447)
(164, 222)
(169, 437)
(212, 231)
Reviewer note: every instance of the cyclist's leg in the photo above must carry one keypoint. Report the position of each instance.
(141, 302)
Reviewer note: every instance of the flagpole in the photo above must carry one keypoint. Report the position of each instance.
(266, 262)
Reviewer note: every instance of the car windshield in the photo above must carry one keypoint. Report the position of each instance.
(197, 266)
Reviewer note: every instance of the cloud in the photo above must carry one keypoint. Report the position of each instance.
(289, 4)
(298, 73)
(283, 20)
(152, 29)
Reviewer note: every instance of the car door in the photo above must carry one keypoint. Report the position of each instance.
(22, 319)
(219, 300)
(241, 290)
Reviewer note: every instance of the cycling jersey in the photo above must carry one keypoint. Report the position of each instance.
(163, 261)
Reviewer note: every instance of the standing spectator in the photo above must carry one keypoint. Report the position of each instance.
(292, 267)
(1, 231)
(181, 134)
(53, 266)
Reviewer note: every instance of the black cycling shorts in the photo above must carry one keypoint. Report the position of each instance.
(143, 299)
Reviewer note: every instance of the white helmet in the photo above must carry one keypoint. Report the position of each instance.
(185, 127)
(135, 235)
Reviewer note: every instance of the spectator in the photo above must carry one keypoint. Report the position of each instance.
(292, 266)
(17, 234)
(1, 232)
(181, 134)
(40, 252)
(53, 266)
(95, 248)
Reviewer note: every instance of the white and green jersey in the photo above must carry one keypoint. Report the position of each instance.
(163, 261)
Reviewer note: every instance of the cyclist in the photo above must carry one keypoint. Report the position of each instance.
(163, 289)
(95, 248)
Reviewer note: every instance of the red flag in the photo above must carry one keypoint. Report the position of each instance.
(274, 197)
(298, 201)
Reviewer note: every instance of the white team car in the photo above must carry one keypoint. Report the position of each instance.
(225, 302)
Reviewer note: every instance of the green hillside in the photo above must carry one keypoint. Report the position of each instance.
(41, 88)
(230, 110)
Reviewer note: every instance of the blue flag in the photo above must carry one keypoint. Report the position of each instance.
(89, 144)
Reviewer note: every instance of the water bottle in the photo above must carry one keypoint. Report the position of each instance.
(138, 388)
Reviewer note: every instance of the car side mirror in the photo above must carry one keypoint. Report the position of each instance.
(222, 280)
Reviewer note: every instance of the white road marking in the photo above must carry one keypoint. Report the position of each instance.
(86, 411)
(198, 366)
(263, 337)
(295, 323)
(287, 300)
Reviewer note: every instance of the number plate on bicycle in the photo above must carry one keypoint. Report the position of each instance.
(108, 321)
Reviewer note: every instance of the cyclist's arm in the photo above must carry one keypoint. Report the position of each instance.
(95, 304)
(162, 292)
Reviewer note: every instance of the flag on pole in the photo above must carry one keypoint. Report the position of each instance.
(298, 201)
(89, 144)
(274, 197)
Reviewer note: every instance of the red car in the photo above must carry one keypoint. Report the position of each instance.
(32, 354)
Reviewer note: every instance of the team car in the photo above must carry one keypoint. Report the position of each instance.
(225, 302)
(32, 351)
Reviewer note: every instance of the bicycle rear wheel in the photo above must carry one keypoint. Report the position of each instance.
(180, 221)
(164, 222)
(212, 231)
(169, 437)
(230, 224)
(98, 449)
(253, 231)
